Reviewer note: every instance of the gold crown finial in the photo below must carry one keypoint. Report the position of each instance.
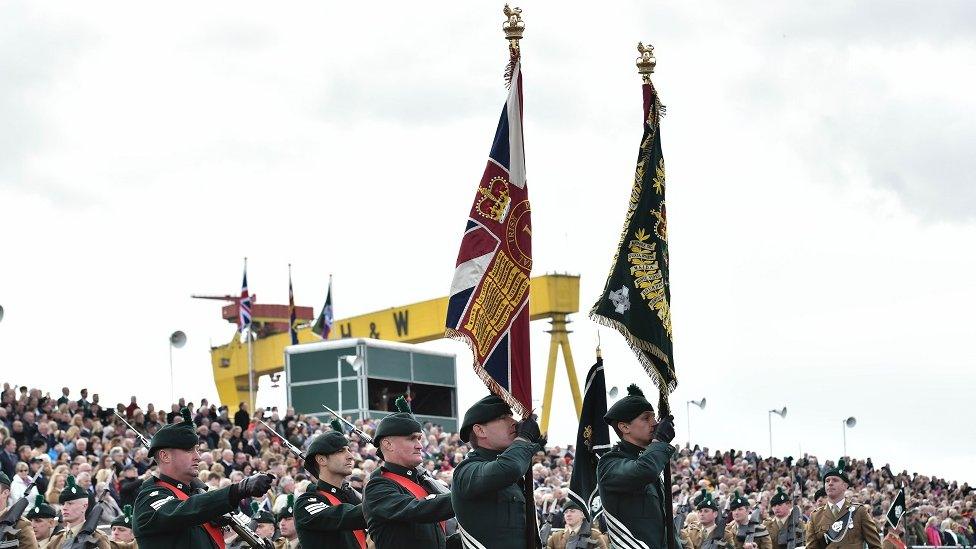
(513, 26)
(646, 62)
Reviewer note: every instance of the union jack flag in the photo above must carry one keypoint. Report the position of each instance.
(244, 307)
(489, 299)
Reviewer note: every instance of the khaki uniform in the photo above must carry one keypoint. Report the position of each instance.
(863, 530)
(282, 543)
(760, 538)
(124, 544)
(775, 526)
(58, 539)
(692, 537)
(25, 534)
(560, 540)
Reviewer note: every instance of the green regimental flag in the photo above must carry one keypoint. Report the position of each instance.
(637, 297)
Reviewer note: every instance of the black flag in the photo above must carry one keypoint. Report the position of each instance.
(592, 440)
(897, 509)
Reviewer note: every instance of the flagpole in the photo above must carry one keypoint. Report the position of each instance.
(250, 356)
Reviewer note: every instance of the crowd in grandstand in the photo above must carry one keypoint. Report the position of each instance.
(75, 434)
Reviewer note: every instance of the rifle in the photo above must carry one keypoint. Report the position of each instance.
(291, 447)
(794, 529)
(682, 513)
(754, 520)
(718, 534)
(17, 510)
(435, 484)
(235, 519)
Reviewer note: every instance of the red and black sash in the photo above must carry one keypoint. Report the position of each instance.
(215, 533)
(417, 490)
(360, 534)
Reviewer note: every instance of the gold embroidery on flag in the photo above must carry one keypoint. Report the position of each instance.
(502, 290)
(658, 180)
(648, 277)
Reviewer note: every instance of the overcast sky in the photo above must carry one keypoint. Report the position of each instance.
(821, 199)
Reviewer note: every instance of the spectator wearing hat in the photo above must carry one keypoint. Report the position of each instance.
(402, 504)
(629, 475)
(841, 523)
(330, 514)
(487, 494)
(76, 506)
(20, 528)
(43, 519)
(577, 533)
(122, 536)
(743, 526)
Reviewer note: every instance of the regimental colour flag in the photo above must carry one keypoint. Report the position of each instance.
(292, 317)
(636, 300)
(323, 325)
(489, 298)
(897, 509)
(244, 305)
(592, 440)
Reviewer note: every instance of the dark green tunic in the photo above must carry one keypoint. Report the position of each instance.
(398, 519)
(488, 497)
(630, 489)
(161, 521)
(322, 525)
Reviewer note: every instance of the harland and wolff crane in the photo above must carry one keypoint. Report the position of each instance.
(552, 296)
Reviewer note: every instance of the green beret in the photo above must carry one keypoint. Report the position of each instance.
(40, 509)
(704, 500)
(125, 519)
(821, 493)
(489, 408)
(182, 436)
(402, 423)
(259, 515)
(4, 479)
(573, 504)
(325, 444)
(629, 407)
(779, 497)
(737, 501)
(288, 510)
(840, 471)
(72, 491)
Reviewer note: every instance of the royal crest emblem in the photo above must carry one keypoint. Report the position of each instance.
(493, 199)
(620, 299)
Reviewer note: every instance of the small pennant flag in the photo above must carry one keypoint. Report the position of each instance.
(292, 318)
(323, 325)
(897, 509)
(592, 440)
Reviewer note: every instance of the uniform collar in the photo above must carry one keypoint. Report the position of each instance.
(629, 447)
(328, 488)
(400, 470)
(182, 486)
(486, 453)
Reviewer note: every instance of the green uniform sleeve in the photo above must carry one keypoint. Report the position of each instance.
(158, 511)
(627, 475)
(383, 500)
(491, 476)
(315, 513)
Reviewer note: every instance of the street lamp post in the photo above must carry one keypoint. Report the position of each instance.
(177, 339)
(848, 423)
(780, 413)
(701, 406)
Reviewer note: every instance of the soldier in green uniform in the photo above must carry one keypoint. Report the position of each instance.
(122, 536)
(43, 518)
(286, 524)
(487, 491)
(404, 505)
(841, 523)
(173, 510)
(330, 514)
(76, 507)
(629, 475)
(742, 529)
(19, 529)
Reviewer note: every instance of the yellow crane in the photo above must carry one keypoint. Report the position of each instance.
(552, 297)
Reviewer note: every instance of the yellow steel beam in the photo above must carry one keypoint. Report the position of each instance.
(550, 296)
